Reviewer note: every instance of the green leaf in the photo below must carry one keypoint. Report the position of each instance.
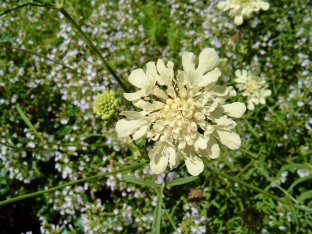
(292, 167)
(182, 180)
(64, 131)
(304, 196)
(300, 180)
(140, 181)
(157, 212)
(27, 121)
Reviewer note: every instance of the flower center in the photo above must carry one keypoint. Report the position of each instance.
(186, 107)
(252, 86)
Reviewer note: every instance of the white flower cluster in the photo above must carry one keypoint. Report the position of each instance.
(253, 87)
(243, 8)
(187, 115)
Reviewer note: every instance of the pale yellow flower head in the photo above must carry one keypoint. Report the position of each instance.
(186, 115)
(242, 8)
(252, 87)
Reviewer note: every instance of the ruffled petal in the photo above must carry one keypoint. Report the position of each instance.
(142, 104)
(212, 151)
(135, 96)
(141, 132)
(138, 78)
(235, 109)
(264, 5)
(210, 77)
(208, 59)
(194, 165)
(158, 157)
(126, 127)
(188, 62)
(229, 139)
(238, 20)
(221, 5)
(238, 73)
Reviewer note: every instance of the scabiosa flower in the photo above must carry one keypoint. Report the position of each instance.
(253, 87)
(243, 8)
(187, 115)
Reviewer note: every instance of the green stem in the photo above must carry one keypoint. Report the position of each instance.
(39, 55)
(242, 171)
(47, 5)
(93, 48)
(137, 165)
(170, 219)
(248, 185)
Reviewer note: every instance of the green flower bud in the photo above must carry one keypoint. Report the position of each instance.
(105, 104)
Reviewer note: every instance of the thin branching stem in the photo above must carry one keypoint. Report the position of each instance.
(134, 166)
(93, 48)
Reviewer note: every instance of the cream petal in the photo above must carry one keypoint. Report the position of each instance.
(159, 160)
(200, 143)
(213, 148)
(194, 165)
(264, 5)
(135, 96)
(221, 5)
(212, 151)
(267, 93)
(208, 59)
(210, 77)
(238, 20)
(151, 70)
(262, 100)
(250, 105)
(229, 139)
(174, 159)
(126, 127)
(141, 132)
(188, 62)
(238, 73)
(244, 73)
(154, 90)
(138, 78)
(132, 114)
(220, 91)
(142, 104)
(235, 109)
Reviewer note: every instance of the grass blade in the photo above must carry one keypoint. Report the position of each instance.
(140, 181)
(182, 180)
(157, 212)
(29, 124)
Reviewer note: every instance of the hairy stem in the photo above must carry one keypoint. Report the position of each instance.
(93, 48)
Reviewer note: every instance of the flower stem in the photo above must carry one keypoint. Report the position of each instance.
(93, 48)
(137, 165)
(248, 185)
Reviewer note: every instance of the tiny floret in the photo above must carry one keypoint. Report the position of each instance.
(252, 87)
(105, 104)
(242, 8)
(186, 114)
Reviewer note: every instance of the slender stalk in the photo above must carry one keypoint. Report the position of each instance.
(39, 55)
(242, 171)
(93, 48)
(25, 5)
(170, 219)
(69, 184)
(248, 185)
